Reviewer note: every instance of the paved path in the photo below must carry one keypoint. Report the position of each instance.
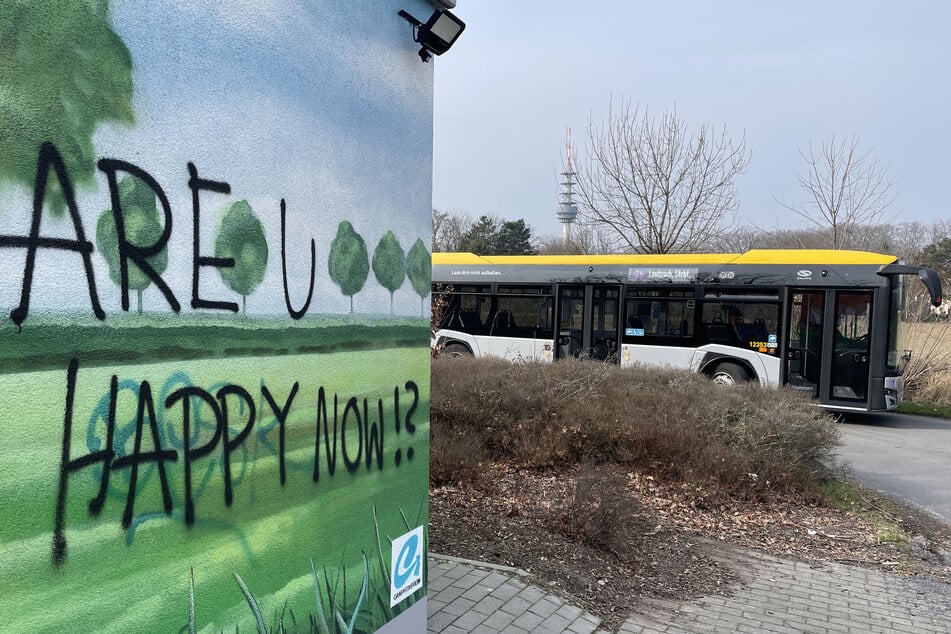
(907, 457)
(782, 595)
(775, 595)
(464, 597)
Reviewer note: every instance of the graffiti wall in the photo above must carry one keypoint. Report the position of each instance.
(214, 268)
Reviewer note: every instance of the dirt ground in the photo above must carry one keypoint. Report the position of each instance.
(530, 520)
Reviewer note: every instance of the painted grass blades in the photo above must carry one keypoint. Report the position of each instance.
(379, 546)
(321, 621)
(363, 594)
(191, 601)
(253, 603)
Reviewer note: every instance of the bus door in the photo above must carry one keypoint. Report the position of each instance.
(850, 347)
(827, 345)
(588, 321)
(805, 321)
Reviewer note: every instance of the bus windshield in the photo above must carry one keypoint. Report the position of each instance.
(897, 324)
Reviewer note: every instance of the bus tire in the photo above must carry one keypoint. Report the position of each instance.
(729, 374)
(456, 350)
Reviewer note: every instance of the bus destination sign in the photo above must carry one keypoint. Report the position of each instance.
(685, 275)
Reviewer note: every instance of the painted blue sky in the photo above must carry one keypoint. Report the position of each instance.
(324, 104)
(785, 73)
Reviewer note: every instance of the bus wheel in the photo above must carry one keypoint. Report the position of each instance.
(729, 374)
(456, 350)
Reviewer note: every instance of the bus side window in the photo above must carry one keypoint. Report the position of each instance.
(469, 321)
(718, 333)
(658, 318)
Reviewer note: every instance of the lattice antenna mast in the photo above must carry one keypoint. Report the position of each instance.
(567, 209)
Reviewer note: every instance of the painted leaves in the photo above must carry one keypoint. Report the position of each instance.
(241, 237)
(142, 229)
(348, 262)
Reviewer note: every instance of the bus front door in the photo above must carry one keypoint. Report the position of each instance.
(805, 321)
(850, 360)
(588, 321)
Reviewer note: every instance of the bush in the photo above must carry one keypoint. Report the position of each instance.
(602, 512)
(745, 440)
(456, 457)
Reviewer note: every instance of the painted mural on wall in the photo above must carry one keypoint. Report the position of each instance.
(214, 379)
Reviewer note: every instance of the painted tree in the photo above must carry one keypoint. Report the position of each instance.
(419, 270)
(64, 71)
(389, 264)
(140, 218)
(241, 236)
(349, 262)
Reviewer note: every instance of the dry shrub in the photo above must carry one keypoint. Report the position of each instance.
(935, 388)
(745, 440)
(930, 345)
(456, 458)
(602, 512)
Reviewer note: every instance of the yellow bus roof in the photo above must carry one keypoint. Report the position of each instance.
(755, 256)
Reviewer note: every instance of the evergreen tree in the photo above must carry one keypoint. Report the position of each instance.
(481, 237)
(938, 256)
(514, 238)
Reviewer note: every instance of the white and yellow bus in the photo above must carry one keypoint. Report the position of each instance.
(826, 322)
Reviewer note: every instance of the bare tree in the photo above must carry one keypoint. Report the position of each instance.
(448, 230)
(741, 239)
(658, 186)
(847, 193)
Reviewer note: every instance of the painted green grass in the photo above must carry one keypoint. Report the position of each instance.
(138, 580)
(49, 342)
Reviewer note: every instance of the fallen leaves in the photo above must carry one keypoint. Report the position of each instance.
(514, 521)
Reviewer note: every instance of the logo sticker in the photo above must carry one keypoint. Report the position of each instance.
(406, 565)
(771, 339)
(804, 274)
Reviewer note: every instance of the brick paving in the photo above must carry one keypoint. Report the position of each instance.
(783, 595)
(474, 597)
(775, 595)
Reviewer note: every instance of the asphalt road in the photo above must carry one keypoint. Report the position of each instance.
(906, 457)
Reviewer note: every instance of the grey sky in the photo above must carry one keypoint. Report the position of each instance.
(785, 73)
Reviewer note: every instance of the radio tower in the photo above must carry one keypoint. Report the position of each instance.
(567, 209)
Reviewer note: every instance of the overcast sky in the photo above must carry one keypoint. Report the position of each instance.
(786, 74)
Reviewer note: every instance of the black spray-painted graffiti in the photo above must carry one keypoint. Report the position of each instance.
(176, 428)
(138, 255)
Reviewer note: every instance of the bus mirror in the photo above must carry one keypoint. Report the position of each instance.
(933, 284)
(928, 276)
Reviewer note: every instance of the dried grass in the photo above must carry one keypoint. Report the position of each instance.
(928, 375)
